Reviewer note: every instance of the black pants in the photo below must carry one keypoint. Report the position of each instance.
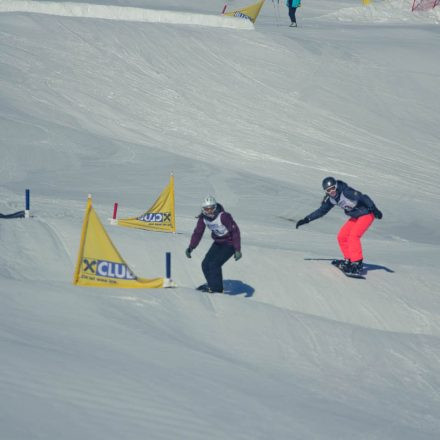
(212, 264)
(292, 12)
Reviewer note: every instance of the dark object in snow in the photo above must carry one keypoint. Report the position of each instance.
(18, 214)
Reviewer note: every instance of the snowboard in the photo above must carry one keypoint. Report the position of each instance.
(204, 288)
(349, 275)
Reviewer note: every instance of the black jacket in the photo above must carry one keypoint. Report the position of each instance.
(354, 203)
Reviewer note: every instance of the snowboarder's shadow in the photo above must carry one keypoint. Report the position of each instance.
(367, 266)
(237, 287)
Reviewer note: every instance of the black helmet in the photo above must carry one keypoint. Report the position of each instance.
(328, 182)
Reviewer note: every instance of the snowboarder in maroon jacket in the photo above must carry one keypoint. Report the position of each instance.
(227, 243)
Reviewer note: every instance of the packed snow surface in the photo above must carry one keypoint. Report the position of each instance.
(109, 99)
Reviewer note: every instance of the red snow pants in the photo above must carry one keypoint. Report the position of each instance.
(349, 236)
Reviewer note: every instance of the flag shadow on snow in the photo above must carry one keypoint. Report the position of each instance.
(237, 287)
(367, 266)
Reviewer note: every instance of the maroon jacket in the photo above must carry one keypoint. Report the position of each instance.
(223, 228)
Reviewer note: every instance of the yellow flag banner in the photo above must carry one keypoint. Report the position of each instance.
(99, 263)
(160, 217)
(249, 12)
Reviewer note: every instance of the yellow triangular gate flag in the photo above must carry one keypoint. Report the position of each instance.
(249, 12)
(99, 263)
(160, 217)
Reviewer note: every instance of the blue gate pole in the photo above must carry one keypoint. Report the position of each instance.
(28, 203)
(168, 264)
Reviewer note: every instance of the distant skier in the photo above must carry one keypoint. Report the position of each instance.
(362, 212)
(227, 243)
(293, 5)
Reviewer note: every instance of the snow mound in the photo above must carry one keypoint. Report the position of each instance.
(109, 12)
(392, 11)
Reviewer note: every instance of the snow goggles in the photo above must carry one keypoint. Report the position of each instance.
(209, 210)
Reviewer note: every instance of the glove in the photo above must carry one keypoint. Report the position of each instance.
(304, 221)
(237, 255)
(377, 213)
(188, 252)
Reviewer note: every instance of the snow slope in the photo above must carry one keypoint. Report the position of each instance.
(126, 13)
(257, 118)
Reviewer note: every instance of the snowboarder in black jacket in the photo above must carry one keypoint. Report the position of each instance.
(362, 212)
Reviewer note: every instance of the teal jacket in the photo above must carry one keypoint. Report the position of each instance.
(293, 3)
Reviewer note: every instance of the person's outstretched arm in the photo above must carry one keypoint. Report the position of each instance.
(320, 212)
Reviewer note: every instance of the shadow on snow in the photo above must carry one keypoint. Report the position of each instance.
(237, 287)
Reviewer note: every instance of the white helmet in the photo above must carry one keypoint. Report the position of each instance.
(209, 205)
